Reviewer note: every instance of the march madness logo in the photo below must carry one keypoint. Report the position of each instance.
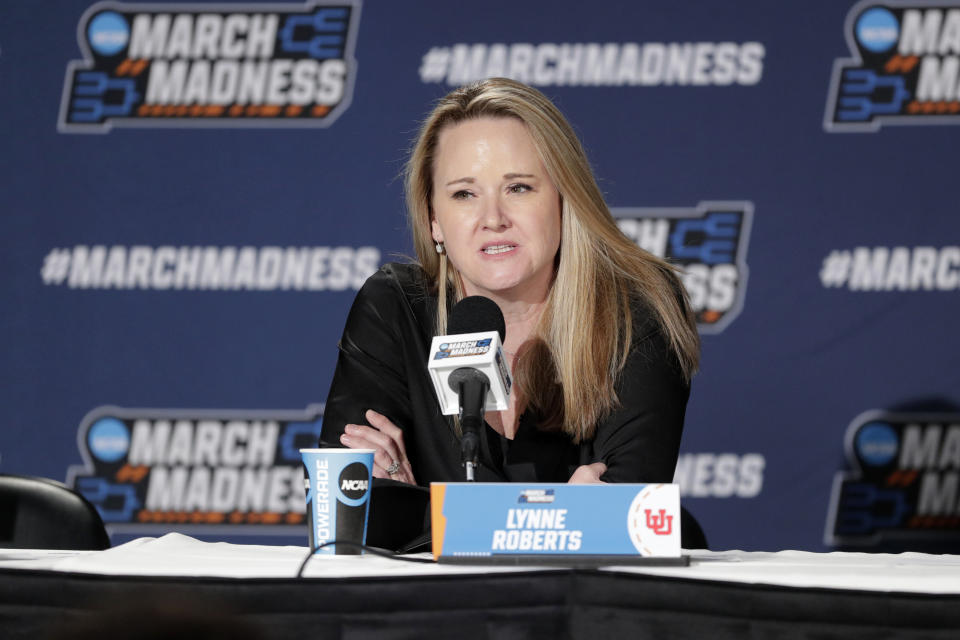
(467, 348)
(211, 65)
(903, 484)
(709, 242)
(155, 469)
(905, 68)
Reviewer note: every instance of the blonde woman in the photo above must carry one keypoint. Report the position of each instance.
(502, 203)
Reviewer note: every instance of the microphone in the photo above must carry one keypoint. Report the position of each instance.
(469, 372)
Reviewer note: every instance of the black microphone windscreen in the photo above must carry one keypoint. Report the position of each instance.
(474, 314)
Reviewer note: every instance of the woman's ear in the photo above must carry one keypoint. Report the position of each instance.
(435, 231)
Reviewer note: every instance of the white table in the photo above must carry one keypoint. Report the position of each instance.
(725, 594)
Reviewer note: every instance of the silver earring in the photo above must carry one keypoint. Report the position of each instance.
(440, 247)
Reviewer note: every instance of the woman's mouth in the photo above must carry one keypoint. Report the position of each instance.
(495, 249)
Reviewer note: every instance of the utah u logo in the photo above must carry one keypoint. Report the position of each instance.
(661, 524)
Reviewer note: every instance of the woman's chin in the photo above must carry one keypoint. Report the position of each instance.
(503, 288)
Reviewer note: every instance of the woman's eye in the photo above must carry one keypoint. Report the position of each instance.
(518, 188)
(461, 195)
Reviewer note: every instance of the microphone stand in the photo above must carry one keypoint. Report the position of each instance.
(472, 386)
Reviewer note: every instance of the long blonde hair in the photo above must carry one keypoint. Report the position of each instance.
(568, 371)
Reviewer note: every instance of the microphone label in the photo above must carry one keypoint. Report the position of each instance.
(480, 351)
(465, 348)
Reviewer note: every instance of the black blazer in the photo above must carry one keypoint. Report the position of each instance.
(383, 366)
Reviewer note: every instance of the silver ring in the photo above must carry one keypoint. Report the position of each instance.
(393, 468)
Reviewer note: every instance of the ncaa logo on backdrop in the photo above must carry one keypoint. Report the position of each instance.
(903, 484)
(905, 69)
(156, 469)
(709, 243)
(211, 65)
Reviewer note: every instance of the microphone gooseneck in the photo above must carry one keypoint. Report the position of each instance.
(472, 315)
(471, 386)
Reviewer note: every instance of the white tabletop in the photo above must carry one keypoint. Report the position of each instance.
(179, 555)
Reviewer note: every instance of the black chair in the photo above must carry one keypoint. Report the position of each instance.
(691, 533)
(399, 516)
(37, 513)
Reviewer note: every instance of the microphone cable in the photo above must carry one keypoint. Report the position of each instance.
(371, 550)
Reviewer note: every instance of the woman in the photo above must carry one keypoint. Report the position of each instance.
(602, 343)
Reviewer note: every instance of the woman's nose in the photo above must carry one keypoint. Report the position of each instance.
(494, 214)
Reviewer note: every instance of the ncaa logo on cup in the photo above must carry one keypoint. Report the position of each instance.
(354, 485)
(354, 480)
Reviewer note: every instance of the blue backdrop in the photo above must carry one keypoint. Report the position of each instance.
(191, 194)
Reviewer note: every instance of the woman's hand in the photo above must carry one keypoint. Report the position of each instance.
(588, 474)
(386, 439)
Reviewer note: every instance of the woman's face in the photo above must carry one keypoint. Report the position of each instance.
(495, 209)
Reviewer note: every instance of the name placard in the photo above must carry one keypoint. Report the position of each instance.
(539, 521)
